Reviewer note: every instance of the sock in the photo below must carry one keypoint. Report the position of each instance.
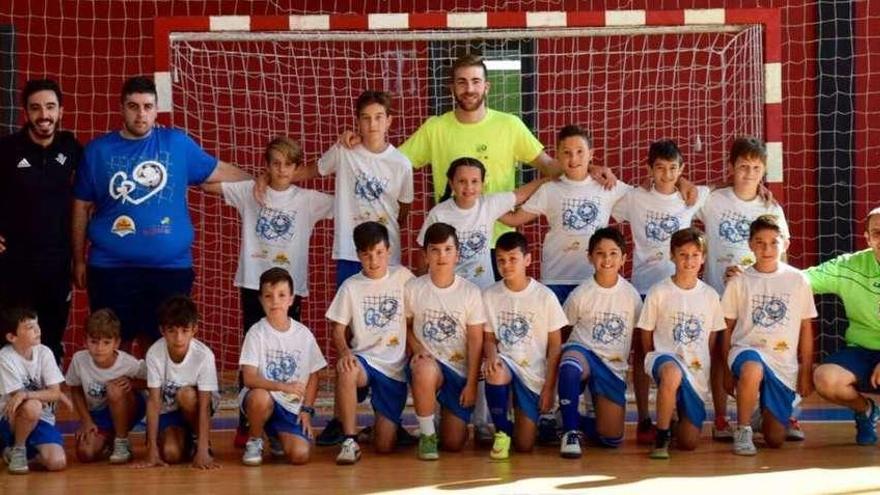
(662, 437)
(569, 387)
(426, 424)
(498, 397)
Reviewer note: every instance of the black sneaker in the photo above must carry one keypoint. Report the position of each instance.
(331, 434)
(548, 430)
(405, 438)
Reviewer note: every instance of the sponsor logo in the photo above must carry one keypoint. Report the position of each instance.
(123, 225)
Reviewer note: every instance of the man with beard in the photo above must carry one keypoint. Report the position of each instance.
(36, 172)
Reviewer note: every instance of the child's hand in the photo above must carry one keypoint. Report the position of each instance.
(64, 399)
(347, 363)
(732, 271)
(305, 420)
(123, 384)
(766, 195)
(295, 388)
(545, 404)
(419, 353)
(468, 395)
(261, 185)
(805, 380)
(349, 139)
(153, 460)
(493, 365)
(604, 176)
(203, 460)
(729, 384)
(12, 406)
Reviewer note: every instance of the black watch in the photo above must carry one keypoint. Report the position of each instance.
(308, 410)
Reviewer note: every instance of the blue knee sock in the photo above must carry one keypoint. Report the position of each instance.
(498, 399)
(569, 387)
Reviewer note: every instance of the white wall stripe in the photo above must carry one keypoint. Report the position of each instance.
(163, 91)
(309, 22)
(773, 83)
(704, 16)
(230, 23)
(388, 21)
(461, 20)
(625, 18)
(546, 19)
(774, 162)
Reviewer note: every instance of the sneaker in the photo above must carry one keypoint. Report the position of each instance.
(547, 426)
(275, 446)
(241, 437)
(742, 441)
(866, 422)
(500, 447)
(661, 446)
(405, 438)
(570, 448)
(646, 432)
(331, 434)
(253, 452)
(483, 434)
(428, 447)
(793, 432)
(350, 452)
(16, 460)
(722, 431)
(121, 451)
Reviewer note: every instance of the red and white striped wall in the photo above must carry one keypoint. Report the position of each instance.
(769, 18)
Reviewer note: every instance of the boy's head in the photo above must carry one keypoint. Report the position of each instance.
(512, 255)
(42, 105)
(607, 249)
(282, 157)
(178, 321)
(748, 162)
(465, 177)
(688, 249)
(872, 231)
(103, 331)
(276, 291)
(766, 240)
(373, 248)
(373, 111)
(19, 326)
(666, 164)
(574, 151)
(139, 110)
(468, 82)
(441, 246)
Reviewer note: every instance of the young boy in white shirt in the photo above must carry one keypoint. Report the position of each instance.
(522, 347)
(445, 319)
(371, 305)
(679, 323)
(603, 312)
(182, 385)
(768, 308)
(29, 391)
(280, 360)
(107, 386)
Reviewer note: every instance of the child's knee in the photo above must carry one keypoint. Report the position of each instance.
(172, 452)
(187, 397)
(611, 442)
(116, 393)
(670, 376)
(53, 458)
(523, 445)
(30, 410)
(259, 399)
(751, 372)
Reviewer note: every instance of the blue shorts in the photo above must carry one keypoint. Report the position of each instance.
(449, 395)
(175, 419)
(561, 291)
(284, 421)
(776, 397)
(858, 361)
(602, 381)
(43, 434)
(388, 396)
(346, 269)
(523, 398)
(104, 420)
(687, 401)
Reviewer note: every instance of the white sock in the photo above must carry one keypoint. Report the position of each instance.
(426, 424)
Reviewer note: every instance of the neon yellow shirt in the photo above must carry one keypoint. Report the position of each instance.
(500, 140)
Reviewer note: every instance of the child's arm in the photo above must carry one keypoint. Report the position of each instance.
(805, 352)
(517, 217)
(154, 404)
(729, 385)
(490, 350)
(525, 191)
(252, 378)
(203, 458)
(86, 424)
(412, 343)
(305, 416)
(212, 187)
(346, 360)
(554, 352)
(474, 347)
(647, 340)
(403, 212)
(48, 395)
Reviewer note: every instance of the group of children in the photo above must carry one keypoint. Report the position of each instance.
(439, 332)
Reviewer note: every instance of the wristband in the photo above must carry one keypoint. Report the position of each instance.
(308, 410)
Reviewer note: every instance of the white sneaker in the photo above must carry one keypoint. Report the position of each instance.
(350, 452)
(16, 460)
(121, 451)
(253, 452)
(742, 441)
(570, 448)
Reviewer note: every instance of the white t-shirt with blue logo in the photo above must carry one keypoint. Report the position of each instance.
(37, 373)
(83, 372)
(197, 369)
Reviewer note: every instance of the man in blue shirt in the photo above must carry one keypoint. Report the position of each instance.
(130, 201)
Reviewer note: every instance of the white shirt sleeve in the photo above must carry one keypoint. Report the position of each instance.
(51, 372)
(431, 219)
(322, 205)
(250, 352)
(621, 209)
(476, 313)
(155, 371)
(329, 161)
(731, 297)
(718, 323)
(648, 315)
(73, 376)
(499, 203)
(340, 310)
(537, 203)
(139, 370)
(316, 358)
(207, 378)
(556, 318)
(406, 187)
(236, 193)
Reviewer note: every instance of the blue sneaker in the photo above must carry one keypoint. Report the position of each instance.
(866, 434)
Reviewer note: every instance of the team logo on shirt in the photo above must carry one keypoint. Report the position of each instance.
(608, 328)
(61, 159)
(659, 227)
(281, 366)
(31, 384)
(513, 327)
(369, 187)
(123, 225)
(380, 311)
(579, 214)
(97, 390)
(439, 326)
(169, 392)
(472, 243)
(734, 227)
(687, 328)
(147, 179)
(275, 225)
(769, 310)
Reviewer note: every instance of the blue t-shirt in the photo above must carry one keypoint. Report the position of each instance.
(139, 188)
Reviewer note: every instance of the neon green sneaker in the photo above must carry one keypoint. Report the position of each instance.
(428, 447)
(501, 447)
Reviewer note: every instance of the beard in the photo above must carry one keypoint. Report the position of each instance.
(468, 107)
(37, 130)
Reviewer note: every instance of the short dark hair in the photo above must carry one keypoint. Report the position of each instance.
(103, 324)
(10, 318)
(276, 275)
(368, 234)
(439, 233)
(137, 84)
(572, 130)
(178, 311)
(370, 97)
(688, 235)
(765, 222)
(665, 149)
(37, 85)
(609, 233)
(747, 147)
(468, 60)
(512, 240)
